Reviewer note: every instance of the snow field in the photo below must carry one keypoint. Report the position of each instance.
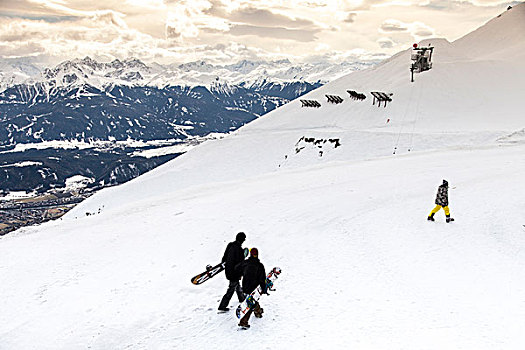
(361, 265)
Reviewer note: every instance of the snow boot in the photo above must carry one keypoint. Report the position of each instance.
(449, 219)
(431, 217)
(244, 325)
(224, 309)
(258, 310)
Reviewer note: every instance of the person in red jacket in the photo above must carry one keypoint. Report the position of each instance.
(253, 275)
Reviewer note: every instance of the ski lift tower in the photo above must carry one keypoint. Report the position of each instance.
(421, 59)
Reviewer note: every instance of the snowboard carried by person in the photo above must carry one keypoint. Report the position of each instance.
(212, 271)
(251, 299)
(255, 282)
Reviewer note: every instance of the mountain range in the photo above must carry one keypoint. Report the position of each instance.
(86, 102)
(133, 72)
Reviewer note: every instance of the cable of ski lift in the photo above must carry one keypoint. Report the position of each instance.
(411, 135)
(422, 61)
(403, 120)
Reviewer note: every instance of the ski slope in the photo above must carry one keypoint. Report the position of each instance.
(362, 267)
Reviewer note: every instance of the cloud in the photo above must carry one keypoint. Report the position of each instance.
(101, 34)
(364, 5)
(188, 20)
(181, 23)
(56, 12)
(350, 18)
(386, 43)
(418, 30)
(110, 17)
(24, 7)
(322, 47)
(314, 4)
(26, 49)
(450, 5)
(219, 53)
(172, 32)
(189, 30)
(263, 17)
(274, 32)
(20, 31)
(248, 20)
(349, 56)
(248, 16)
(393, 25)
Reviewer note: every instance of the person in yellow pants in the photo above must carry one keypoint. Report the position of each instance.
(441, 202)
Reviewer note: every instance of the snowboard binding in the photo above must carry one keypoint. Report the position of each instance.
(251, 302)
(269, 285)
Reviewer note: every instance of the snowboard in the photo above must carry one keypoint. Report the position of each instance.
(211, 271)
(251, 299)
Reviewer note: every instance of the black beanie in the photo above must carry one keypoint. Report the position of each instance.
(241, 237)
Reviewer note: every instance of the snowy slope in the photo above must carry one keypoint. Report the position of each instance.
(501, 38)
(362, 268)
(358, 258)
(456, 104)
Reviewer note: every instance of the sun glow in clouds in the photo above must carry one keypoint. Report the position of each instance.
(173, 31)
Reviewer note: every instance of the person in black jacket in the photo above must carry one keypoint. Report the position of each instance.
(233, 255)
(441, 202)
(253, 275)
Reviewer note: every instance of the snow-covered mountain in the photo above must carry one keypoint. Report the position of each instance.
(250, 72)
(133, 72)
(321, 194)
(87, 102)
(90, 72)
(83, 101)
(16, 72)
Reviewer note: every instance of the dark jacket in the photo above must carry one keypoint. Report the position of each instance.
(253, 275)
(442, 196)
(233, 255)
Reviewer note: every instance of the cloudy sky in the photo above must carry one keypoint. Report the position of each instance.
(176, 31)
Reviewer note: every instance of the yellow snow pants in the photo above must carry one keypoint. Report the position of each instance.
(436, 209)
